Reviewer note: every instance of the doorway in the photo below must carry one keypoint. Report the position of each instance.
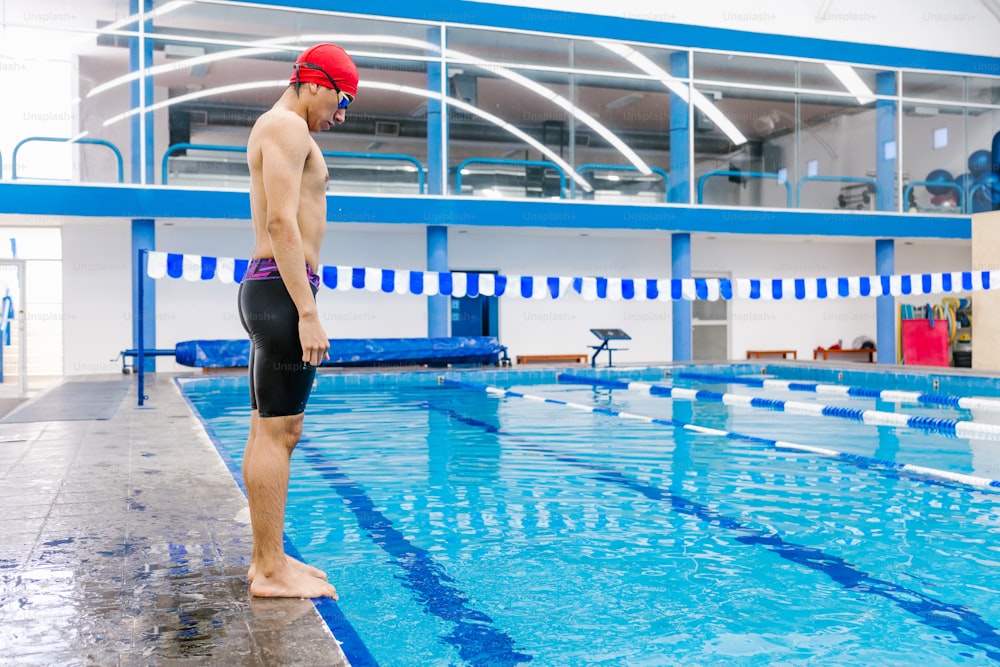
(710, 327)
(475, 315)
(13, 338)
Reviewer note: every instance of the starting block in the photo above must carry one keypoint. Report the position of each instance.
(607, 335)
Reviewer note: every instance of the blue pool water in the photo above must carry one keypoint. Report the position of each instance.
(462, 528)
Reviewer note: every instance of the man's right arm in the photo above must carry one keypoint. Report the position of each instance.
(284, 149)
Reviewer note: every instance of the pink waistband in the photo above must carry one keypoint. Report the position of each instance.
(262, 268)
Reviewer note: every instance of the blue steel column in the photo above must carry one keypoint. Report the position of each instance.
(885, 141)
(680, 250)
(143, 230)
(680, 136)
(680, 192)
(437, 260)
(886, 147)
(885, 313)
(438, 314)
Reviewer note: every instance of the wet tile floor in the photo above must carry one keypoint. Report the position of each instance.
(125, 542)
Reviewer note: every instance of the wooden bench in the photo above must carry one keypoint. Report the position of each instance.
(757, 354)
(544, 358)
(825, 354)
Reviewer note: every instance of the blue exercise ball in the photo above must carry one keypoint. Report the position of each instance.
(988, 192)
(939, 176)
(980, 162)
(995, 144)
(979, 206)
(964, 183)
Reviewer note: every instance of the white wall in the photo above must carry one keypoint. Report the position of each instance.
(805, 325)
(97, 294)
(546, 326)
(97, 287)
(959, 26)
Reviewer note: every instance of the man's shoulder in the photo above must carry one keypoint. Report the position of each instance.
(279, 119)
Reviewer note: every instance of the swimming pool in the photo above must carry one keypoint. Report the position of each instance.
(468, 527)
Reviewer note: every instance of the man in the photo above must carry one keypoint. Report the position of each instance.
(277, 301)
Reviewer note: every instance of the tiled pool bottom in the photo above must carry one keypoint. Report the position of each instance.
(406, 478)
(125, 542)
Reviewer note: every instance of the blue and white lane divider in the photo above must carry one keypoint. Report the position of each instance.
(856, 459)
(953, 427)
(890, 395)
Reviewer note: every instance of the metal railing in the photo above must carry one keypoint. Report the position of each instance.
(545, 164)
(963, 195)
(743, 174)
(165, 172)
(625, 167)
(81, 140)
(833, 179)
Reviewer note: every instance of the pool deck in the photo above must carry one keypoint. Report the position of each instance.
(126, 541)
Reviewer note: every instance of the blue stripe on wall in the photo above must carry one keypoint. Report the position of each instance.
(160, 203)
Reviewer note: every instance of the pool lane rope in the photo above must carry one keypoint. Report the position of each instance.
(890, 395)
(856, 459)
(953, 427)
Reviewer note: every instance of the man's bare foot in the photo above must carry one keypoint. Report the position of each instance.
(305, 567)
(291, 582)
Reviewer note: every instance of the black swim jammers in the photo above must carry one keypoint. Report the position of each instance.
(280, 381)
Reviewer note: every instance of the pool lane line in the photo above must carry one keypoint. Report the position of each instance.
(343, 632)
(968, 627)
(890, 395)
(856, 459)
(475, 637)
(951, 427)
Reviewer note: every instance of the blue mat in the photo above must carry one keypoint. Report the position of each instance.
(72, 401)
(355, 351)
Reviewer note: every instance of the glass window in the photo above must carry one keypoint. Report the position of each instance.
(507, 136)
(933, 86)
(215, 90)
(802, 150)
(509, 48)
(838, 162)
(746, 70)
(545, 115)
(949, 164)
(758, 171)
(836, 77)
(541, 132)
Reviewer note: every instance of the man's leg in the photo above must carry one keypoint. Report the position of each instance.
(316, 572)
(265, 473)
(254, 419)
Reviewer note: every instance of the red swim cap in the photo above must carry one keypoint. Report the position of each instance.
(332, 60)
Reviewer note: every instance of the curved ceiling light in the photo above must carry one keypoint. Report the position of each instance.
(272, 45)
(275, 44)
(559, 101)
(221, 90)
(499, 122)
(377, 85)
(174, 66)
(679, 88)
(853, 82)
